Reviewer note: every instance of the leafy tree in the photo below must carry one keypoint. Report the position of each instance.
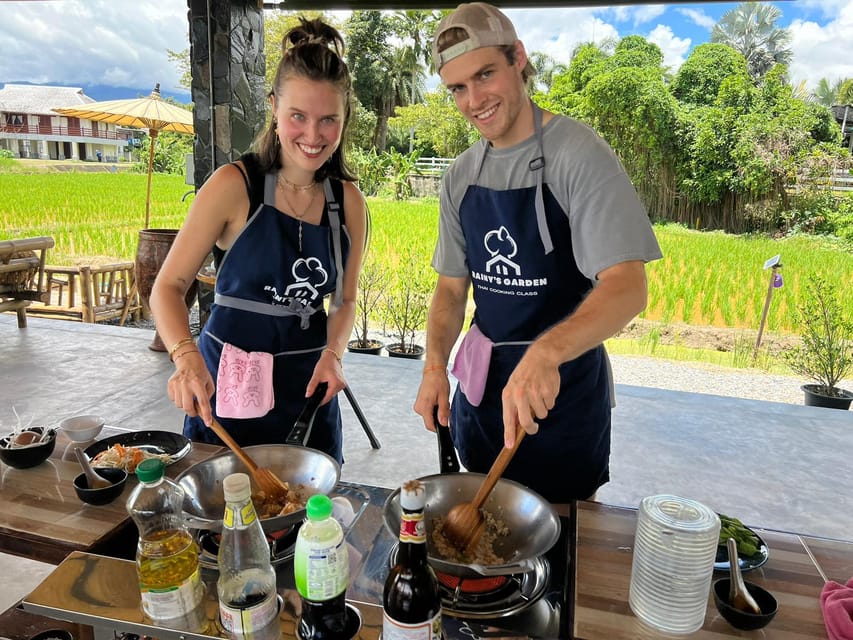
(699, 79)
(751, 29)
(371, 62)
(438, 124)
(182, 59)
(636, 51)
(845, 92)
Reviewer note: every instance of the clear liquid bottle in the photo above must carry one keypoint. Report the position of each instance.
(248, 600)
(321, 570)
(411, 600)
(166, 555)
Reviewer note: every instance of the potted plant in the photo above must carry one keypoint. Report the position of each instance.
(372, 282)
(825, 354)
(406, 306)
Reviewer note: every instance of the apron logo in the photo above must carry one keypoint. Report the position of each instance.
(501, 247)
(309, 275)
(501, 270)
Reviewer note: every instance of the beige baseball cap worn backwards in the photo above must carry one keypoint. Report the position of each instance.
(485, 25)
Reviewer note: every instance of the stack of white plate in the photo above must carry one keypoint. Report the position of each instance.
(674, 550)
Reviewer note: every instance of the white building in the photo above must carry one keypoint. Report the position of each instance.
(30, 128)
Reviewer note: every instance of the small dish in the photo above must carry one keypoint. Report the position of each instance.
(30, 455)
(82, 428)
(742, 619)
(53, 634)
(174, 445)
(746, 563)
(117, 477)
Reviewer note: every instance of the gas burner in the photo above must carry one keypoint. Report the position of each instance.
(489, 597)
(281, 543)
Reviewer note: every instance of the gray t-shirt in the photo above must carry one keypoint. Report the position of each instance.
(608, 222)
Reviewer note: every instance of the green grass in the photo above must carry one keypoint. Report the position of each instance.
(705, 278)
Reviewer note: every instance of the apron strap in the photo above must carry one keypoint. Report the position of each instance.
(269, 189)
(293, 308)
(537, 165)
(335, 226)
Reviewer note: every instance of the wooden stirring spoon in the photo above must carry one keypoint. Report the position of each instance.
(464, 524)
(266, 480)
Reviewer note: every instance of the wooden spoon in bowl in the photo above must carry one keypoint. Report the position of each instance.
(464, 524)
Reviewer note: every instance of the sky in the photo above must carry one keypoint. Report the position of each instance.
(117, 48)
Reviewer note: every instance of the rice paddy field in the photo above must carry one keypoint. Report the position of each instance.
(705, 278)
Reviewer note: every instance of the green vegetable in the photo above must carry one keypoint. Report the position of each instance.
(747, 542)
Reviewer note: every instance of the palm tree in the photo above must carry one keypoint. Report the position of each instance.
(826, 92)
(751, 29)
(415, 29)
(547, 68)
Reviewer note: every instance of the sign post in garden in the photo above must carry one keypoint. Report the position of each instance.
(775, 264)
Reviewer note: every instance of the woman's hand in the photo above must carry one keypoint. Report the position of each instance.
(191, 386)
(329, 370)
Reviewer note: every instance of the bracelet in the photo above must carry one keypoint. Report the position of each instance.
(178, 345)
(333, 352)
(183, 353)
(435, 367)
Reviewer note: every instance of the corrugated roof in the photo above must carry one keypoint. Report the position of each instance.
(39, 99)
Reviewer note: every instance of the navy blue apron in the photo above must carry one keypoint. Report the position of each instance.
(269, 297)
(523, 283)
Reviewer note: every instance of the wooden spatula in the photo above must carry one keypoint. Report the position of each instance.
(266, 480)
(464, 524)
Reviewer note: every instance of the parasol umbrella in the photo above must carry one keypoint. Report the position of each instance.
(150, 113)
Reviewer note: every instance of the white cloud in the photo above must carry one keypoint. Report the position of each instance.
(674, 48)
(80, 42)
(823, 51)
(637, 15)
(558, 31)
(698, 17)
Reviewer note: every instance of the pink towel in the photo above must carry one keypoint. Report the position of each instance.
(471, 365)
(836, 601)
(244, 383)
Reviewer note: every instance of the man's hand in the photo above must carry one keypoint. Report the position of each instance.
(434, 391)
(530, 393)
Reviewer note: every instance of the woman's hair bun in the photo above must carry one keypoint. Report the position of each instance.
(313, 32)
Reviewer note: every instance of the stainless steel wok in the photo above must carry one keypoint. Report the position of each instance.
(533, 523)
(308, 472)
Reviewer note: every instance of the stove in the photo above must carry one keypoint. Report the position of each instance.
(534, 604)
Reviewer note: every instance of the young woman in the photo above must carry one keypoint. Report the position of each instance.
(287, 228)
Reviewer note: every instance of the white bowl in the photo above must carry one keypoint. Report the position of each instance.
(82, 428)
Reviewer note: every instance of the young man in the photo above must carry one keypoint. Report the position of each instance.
(541, 218)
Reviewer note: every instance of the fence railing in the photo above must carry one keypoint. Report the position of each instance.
(48, 130)
(433, 166)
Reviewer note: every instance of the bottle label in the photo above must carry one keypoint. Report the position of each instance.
(426, 630)
(243, 517)
(412, 528)
(173, 601)
(327, 572)
(253, 618)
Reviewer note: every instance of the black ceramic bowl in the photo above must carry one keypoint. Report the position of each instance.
(741, 619)
(118, 478)
(30, 455)
(53, 634)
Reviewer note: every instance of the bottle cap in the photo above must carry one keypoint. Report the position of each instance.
(318, 507)
(237, 487)
(150, 470)
(413, 495)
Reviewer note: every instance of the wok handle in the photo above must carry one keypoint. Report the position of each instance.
(446, 453)
(301, 430)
